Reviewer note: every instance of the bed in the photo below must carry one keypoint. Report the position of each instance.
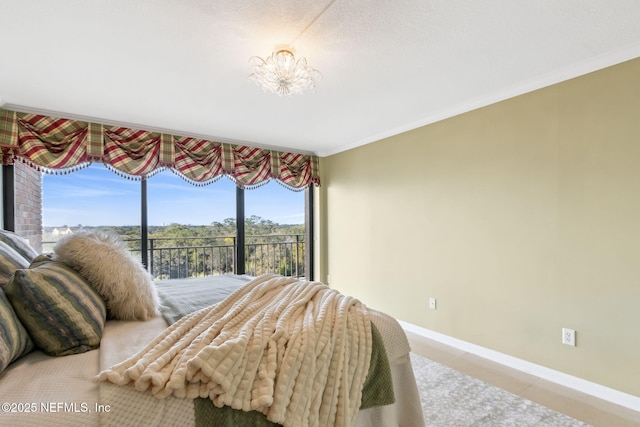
(40, 389)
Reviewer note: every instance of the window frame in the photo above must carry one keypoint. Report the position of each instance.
(8, 218)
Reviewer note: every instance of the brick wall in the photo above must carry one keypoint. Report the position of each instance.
(28, 187)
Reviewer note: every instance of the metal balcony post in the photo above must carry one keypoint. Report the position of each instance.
(151, 256)
(309, 255)
(240, 258)
(144, 226)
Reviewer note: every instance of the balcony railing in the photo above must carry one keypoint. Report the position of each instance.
(185, 257)
(173, 258)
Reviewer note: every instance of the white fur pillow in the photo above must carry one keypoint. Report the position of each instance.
(104, 261)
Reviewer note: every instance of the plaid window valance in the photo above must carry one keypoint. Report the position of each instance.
(57, 145)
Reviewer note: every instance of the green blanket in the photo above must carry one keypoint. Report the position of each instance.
(181, 297)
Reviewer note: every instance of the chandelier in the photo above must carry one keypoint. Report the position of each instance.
(282, 74)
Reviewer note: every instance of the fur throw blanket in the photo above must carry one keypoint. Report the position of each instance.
(297, 351)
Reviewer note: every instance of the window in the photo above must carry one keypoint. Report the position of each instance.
(62, 144)
(92, 198)
(192, 230)
(275, 230)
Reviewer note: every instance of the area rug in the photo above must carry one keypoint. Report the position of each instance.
(451, 398)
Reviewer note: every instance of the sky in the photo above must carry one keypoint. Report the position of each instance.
(97, 196)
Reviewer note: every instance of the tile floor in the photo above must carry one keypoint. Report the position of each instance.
(583, 407)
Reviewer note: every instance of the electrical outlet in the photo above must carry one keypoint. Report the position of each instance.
(432, 303)
(569, 337)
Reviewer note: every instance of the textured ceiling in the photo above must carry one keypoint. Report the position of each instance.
(387, 66)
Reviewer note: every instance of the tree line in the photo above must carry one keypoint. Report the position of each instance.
(183, 250)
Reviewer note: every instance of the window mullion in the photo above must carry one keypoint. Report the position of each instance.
(144, 226)
(240, 240)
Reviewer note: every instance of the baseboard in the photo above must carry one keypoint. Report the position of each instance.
(605, 393)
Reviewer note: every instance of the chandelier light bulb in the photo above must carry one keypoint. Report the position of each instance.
(283, 75)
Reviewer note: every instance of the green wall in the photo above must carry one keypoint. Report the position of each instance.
(521, 218)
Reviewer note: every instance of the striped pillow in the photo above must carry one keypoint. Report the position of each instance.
(61, 311)
(10, 261)
(14, 340)
(18, 244)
